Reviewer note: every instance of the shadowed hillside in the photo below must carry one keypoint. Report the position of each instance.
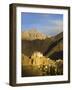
(30, 46)
(55, 50)
(50, 47)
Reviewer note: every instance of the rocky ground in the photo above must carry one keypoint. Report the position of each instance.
(39, 65)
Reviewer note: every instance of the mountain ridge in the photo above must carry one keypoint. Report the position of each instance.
(32, 34)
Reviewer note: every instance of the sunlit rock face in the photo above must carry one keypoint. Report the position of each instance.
(59, 65)
(32, 34)
(37, 54)
(38, 59)
(25, 60)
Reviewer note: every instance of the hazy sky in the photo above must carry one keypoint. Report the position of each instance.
(49, 24)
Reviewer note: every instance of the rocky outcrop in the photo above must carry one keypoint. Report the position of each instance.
(32, 35)
(39, 63)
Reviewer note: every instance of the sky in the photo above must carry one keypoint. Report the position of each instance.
(49, 24)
